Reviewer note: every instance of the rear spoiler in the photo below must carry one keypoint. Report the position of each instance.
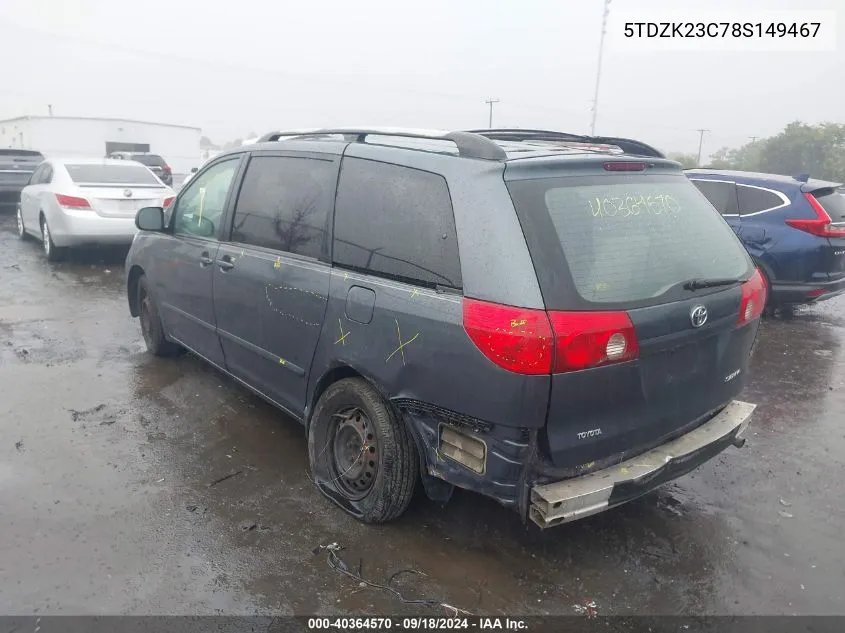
(820, 187)
(21, 153)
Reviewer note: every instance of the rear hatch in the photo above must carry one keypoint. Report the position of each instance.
(653, 303)
(16, 167)
(118, 190)
(825, 219)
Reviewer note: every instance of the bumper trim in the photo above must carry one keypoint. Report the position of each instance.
(579, 497)
(797, 293)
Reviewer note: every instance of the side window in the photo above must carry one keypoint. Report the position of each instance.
(199, 209)
(395, 222)
(47, 175)
(35, 178)
(754, 200)
(721, 195)
(284, 204)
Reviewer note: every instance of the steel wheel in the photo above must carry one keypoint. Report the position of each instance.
(355, 455)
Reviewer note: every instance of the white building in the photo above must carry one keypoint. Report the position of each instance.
(68, 137)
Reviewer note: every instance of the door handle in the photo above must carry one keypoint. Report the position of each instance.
(205, 260)
(225, 263)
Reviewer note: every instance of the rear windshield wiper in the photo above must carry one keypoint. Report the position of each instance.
(699, 283)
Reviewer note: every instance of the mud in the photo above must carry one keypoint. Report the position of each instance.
(130, 484)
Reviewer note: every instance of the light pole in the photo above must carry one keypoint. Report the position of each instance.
(490, 102)
(598, 70)
(700, 143)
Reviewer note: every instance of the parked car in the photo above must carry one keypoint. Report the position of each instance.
(794, 229)
(16, 167)
(154, 162)
(522, 318)
(79, 201)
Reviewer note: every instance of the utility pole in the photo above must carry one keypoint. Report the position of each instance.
(50, 109)
(598, 70)
(490, 102)
(753, 139)
(700, 143)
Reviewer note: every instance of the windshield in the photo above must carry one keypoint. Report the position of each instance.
(111, 175)
(632, 239)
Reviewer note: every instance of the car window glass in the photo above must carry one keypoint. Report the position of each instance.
(47, 174)
(284, 204)
(834, 204)
(754, 200)
(626, 239)
(721, 195)
(396, 222)
(200, 207)
(35, 178)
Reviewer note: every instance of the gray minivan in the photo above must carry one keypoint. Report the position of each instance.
(560, 323)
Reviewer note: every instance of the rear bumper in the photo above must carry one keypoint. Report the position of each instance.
(579, 497)
(798, 293)
(76, 228)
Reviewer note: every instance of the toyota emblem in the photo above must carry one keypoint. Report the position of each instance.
(127, 193)
(698, 316)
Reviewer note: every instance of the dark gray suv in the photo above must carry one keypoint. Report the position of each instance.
(557, 322)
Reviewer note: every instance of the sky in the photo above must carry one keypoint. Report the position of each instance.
(253, 66)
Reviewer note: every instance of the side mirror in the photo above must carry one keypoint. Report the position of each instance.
(194, 170)
(150, 219)
(203, 227)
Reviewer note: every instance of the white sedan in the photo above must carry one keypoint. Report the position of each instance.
(80, 201)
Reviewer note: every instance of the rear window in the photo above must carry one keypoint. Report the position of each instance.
(150, 160)
(111, 174)
(834, 204)
(629, 239)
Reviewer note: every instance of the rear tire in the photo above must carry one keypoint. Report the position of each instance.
(362, 455)
(52, 252)
(152, 328)
(21, 228)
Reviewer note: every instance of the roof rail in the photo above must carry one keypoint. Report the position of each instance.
(469, 145)
(629, 146)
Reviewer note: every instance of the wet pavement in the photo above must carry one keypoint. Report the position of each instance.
(108, 500)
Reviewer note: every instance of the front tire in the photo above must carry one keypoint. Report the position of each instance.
(152, 328)
(362, 455)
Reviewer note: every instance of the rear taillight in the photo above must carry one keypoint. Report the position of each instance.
(753, 298)
(516, 339)
(167, 201)
(821, 225)
(535, 342)
(72, 202)
(166, 168)
(590, 339)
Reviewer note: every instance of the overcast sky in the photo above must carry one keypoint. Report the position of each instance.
(253, 65)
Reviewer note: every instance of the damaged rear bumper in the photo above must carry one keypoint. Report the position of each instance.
(563, 501)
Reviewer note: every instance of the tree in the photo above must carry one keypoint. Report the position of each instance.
(688, 161)
(800, 148)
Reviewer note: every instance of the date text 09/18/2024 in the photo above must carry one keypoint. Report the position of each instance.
(417, 624)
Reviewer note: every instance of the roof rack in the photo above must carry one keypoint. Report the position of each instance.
(629, 146)
(470, 145)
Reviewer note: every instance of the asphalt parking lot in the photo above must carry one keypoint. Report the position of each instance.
(131, 484)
